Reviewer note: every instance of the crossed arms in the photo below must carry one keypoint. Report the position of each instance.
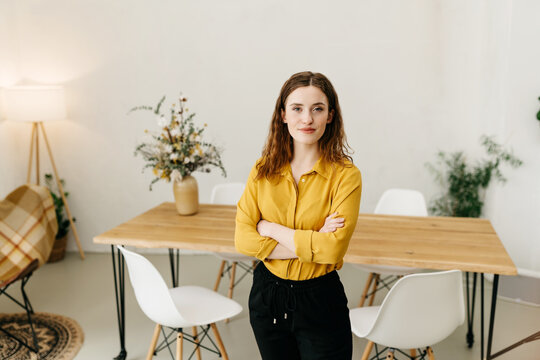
(267, 236)
(286, 249)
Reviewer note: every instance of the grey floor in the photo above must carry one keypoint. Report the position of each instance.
(83, 290)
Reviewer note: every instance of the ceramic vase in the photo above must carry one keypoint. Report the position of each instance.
(186, 195)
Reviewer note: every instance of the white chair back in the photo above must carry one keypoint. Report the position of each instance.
(150, 290)
(227, 194)
(402, 202)
(420, 310)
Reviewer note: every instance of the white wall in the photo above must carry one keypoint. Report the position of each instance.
(515, 208)
(10, 134)
(413, 77)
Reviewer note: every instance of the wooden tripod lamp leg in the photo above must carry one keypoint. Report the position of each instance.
(37, 155)
(61, 190)
(32, 142)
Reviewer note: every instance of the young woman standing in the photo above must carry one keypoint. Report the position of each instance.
(297, 215)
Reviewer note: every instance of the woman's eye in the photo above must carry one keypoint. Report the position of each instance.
(318, 109)
(297, 109)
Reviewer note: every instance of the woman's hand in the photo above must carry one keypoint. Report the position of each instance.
(331, 223)
(264, 228)
(280, 233)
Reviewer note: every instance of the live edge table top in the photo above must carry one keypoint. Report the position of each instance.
(439, 243)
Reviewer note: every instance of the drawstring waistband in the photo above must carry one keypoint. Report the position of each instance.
(283, 292)
(290, 298)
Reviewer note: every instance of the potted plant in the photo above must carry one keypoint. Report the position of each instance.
(59, 247)
(463, 184)
(176, 151)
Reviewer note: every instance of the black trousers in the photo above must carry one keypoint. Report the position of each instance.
(306, 320)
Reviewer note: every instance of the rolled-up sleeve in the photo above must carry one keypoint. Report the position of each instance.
(247, 239)
(330, 248)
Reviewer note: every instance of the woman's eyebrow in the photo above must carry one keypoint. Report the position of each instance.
(298, 104)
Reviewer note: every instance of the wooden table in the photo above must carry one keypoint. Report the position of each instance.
(439, 243)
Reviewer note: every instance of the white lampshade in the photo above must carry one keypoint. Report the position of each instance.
(34, 103)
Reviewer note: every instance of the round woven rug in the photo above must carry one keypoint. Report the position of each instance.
(59, 337)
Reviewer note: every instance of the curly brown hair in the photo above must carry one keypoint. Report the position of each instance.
(278, 150)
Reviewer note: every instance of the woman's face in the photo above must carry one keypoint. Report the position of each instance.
(306, 114)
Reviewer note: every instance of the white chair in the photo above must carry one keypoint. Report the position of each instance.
(419, 311)
(392, 202)
(178, 308)
(229, 194)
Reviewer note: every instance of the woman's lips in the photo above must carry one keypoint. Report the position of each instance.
(307, 130)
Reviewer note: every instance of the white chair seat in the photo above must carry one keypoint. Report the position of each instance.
(387, 270)
(178, 308)
(362, 319)
(419, 310)
(200, 306)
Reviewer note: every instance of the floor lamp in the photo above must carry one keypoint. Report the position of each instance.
(39, 104)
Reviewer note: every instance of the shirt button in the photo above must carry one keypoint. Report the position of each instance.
(303, 180)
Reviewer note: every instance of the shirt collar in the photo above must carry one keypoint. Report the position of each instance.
(321, 167)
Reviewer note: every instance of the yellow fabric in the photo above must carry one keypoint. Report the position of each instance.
(327, 188)
(27, 229)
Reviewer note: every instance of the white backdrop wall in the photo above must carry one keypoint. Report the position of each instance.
(515, 208)
(413, 78)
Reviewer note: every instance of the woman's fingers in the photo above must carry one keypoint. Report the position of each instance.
(335, 226)
(329, 217)
(331, 224)
(336, 221)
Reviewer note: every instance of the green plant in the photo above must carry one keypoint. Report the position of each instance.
(464, 185)
(538, 113)
(63, 220)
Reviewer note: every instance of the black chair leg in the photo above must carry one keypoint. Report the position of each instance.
(27, 306)
(29, 313)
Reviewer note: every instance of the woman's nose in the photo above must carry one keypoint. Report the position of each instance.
(307, 118)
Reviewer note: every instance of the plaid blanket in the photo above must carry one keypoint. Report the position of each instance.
(27, 229)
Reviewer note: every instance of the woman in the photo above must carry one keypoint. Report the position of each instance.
(297, 215)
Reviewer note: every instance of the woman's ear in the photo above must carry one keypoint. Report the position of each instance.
(283, 116)
(330, 117)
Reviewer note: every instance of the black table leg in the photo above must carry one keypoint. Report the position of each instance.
(492, 315)
(482, 316)
(470, 309)
(174, 260)
(118, 274)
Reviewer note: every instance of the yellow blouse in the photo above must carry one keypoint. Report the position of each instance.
(327, 188)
